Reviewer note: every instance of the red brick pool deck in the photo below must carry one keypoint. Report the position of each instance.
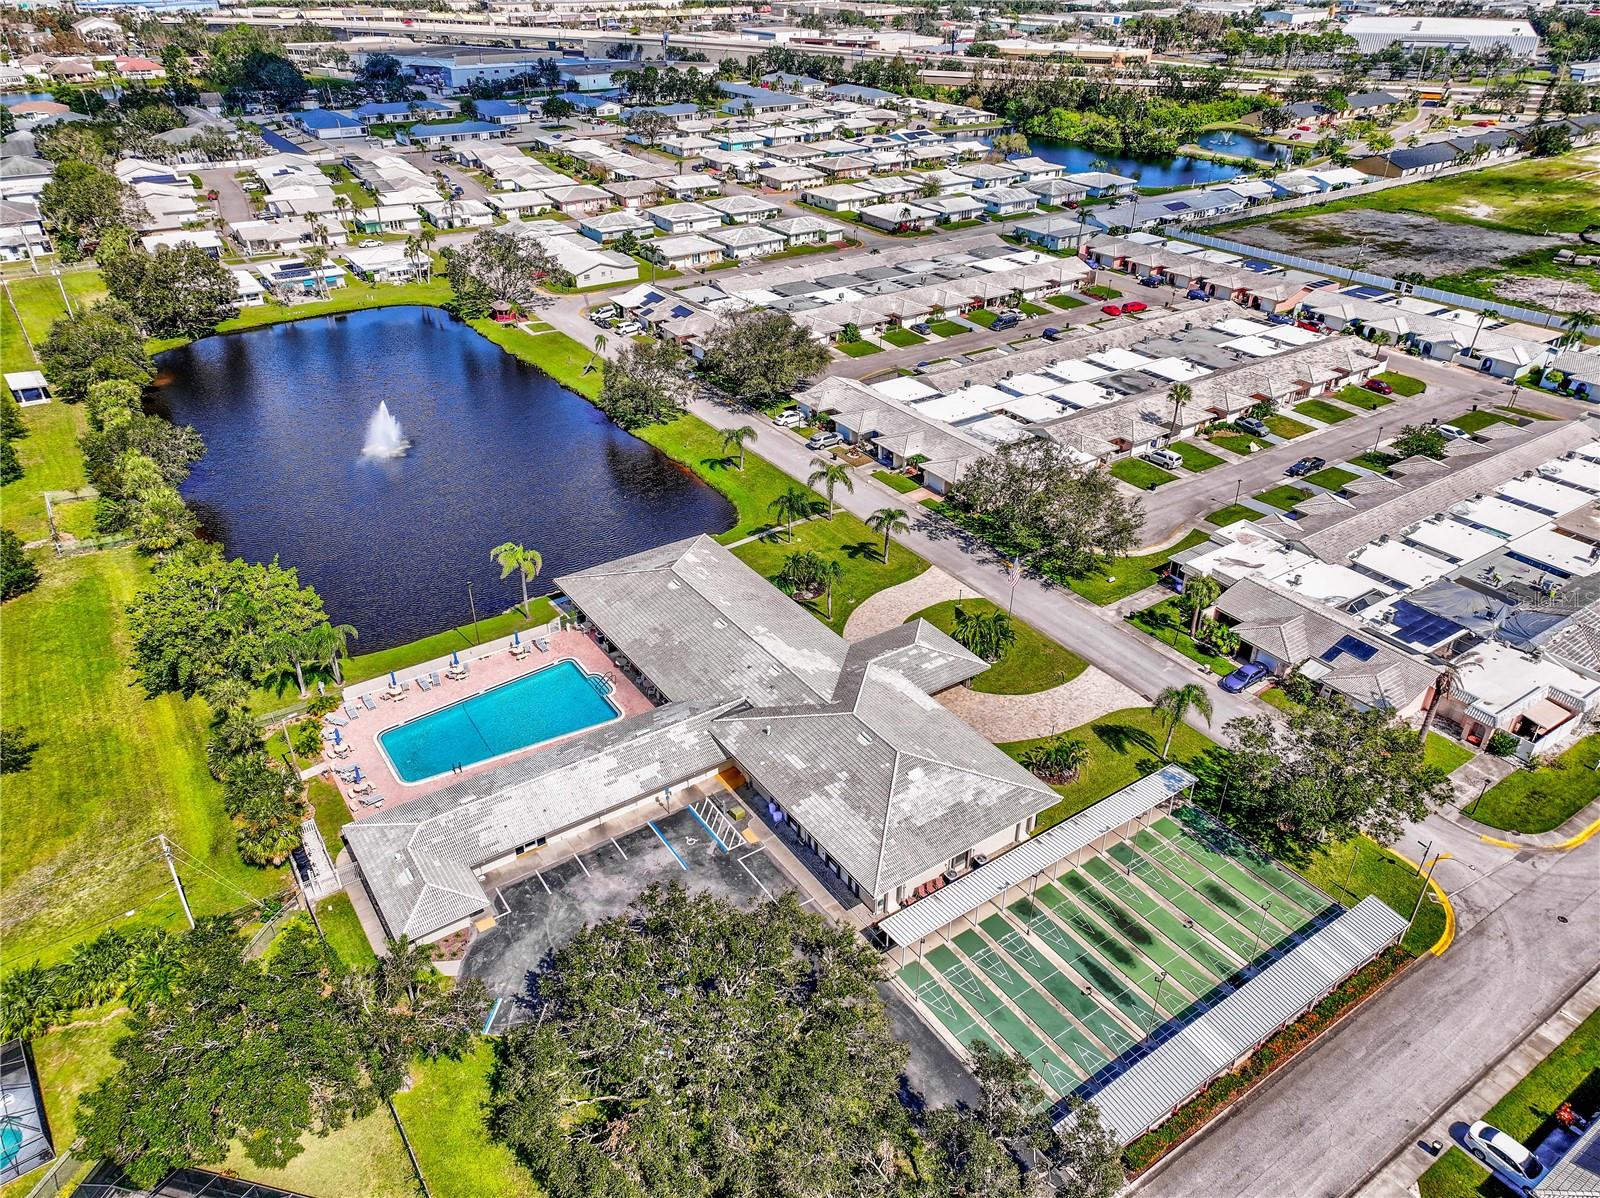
(488, 666)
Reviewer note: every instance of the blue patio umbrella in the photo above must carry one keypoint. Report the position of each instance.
(516, 637)
(356, 777)
(392, 682)
(454, 660)
(337, 739)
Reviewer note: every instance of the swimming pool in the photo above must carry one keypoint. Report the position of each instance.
(555, 701)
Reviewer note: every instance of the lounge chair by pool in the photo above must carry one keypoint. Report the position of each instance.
(372, 801)
(366, 701)
(351, 710)
(338, 721)
(544, 645)
(422, 683)
(434, 678)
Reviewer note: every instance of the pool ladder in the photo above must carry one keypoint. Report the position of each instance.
(604, 685)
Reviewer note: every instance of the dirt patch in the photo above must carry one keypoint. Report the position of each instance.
(1557, 295)
(1395, 242)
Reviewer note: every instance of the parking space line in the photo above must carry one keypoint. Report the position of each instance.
(542, 882)
(578, 857)
(682, 864)
(753, 878)
(618, 847)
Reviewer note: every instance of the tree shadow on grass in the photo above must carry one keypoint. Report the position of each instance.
(1124, 739)
(864, 550)
(728, 461)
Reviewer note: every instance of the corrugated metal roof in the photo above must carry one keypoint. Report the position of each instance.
(971, 891)
(1154, 1085)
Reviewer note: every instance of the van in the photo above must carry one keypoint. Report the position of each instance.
(1165, 458)
(1008, 321)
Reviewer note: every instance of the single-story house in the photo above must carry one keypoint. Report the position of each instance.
(291, 276)
(326, 125)
(388, 218)
(1103, 183)
(897, 216)
(682, 253)
(609, 226)
(747, 241)
(744, 209)
(248, 288)
(951, 209)
(457, 214)
(684, 218)
(602, 107)
(433, 136)
(689, 187)
(788, 177)
(200, 239)
(503, 112)
(633, 193)
(839, 197)
(578, 200)
(386, 264)
(805, 230)
(1007, 201)
(271, 236)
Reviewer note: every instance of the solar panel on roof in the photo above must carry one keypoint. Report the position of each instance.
(1175, 206)
(1357, 649)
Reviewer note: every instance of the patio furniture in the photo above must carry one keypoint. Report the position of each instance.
(341, 751)
(366, 701)
(422, 683)
(519, 651)
(434, 678)
(351, 710)
(372, 801)
(362, 788)
(544, 645)
(336, 720)
(457, 672)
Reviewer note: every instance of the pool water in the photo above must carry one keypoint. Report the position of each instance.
(555, 701)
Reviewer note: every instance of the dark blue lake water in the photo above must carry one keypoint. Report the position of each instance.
(499, 452)
(1151, 172)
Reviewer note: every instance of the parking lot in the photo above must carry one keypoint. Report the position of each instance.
(702, 849)
(1105, 960)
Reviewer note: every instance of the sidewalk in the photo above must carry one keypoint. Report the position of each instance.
(1398, 1177)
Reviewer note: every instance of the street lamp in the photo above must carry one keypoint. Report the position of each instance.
(1421, 891)
(1161, 980)
(1376, 439)
(1261, 924)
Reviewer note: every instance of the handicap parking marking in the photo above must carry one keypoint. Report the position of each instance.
(682, 864)
(700, 819)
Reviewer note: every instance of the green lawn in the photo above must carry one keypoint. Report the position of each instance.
(1360, 397)
(984, 317)
(1404, 384)
(50, 462)
(1284, 497)
(444, 1113)
(1376, 871)
(40, 304)
(1124, 746)
(947, 328)
(1375, 460)
(113, 768)
(903, 337)
(1140, 473)
(343, 930)
(1231, 514)
(1474, 422)
(327, 804)
(898, 482)
(1321, 409)
(1445, 753)
(1167, 623)
(1100, 291)
(558, 355)
(367, 666)
(858, 349)
(1545, 798)
(849, 542)
(692, 441)
(1334, 478)
(70, 1061)
(1033, 310)
(1274, 696)
(1239, 443)
(1128, 575)
(1286, 427)
(1527, 1112)
(364, 1159)
(1034, 663)
(1065, 302)
(1194, 457)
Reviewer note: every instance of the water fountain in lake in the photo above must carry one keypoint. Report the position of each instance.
(385, 438)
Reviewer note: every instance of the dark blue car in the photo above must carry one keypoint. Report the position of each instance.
(1250, 672)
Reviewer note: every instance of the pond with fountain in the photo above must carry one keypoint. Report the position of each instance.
(385, 452)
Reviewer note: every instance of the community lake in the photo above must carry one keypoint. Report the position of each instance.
(497, 452)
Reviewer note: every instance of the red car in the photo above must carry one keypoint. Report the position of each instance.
(1134, 306)
(1112, 310)
(1309, 326)
(1379, 386)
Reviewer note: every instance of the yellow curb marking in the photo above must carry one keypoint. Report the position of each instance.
(1449, 933)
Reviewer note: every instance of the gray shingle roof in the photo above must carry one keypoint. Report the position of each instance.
(890, 782)
(419, 859)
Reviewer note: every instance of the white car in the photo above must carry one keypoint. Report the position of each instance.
(787, 418)
(1454, 431)
(369, 243)
(1508, 1158)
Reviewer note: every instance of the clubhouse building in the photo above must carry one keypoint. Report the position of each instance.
(842, 740)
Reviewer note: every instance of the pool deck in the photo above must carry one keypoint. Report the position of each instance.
(489, 665)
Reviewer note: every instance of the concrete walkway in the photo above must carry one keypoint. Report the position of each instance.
(1400, 1174)
(1003, 718)
(892, 607)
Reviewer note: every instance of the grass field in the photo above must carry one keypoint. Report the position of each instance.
(849, 542)
(1286, 427)
(444, 1113)
(1474, 422)
(896, 482)
(1128, 575)
(1545, 798)
(1064, 302)
(1239, 443)
(1194, 457)
(692, 441)
(858, 349)
(903, 337)
(342, 928)
(1570, 1073)
(1321, 409)
(1377, 461)
(1445, 753)
(1284, 497)
(39, 303)
(70, 1060)
(1141, 474)
(113, 769)
(1333, 478)
(983, 317)
(1371, 869)
(50, 462)
(947, 328)
(1231, 514)
(558, 355)
(364, 1159)
(1124, 746)
(1100, 291)
(1034, 663)
(1360, 397)
(1404, 384)
(1167, 623)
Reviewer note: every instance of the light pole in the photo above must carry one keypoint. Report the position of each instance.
(1473, 806)
(1261, 924)
(1427, 881)
(1376, 439)
(1161, 980)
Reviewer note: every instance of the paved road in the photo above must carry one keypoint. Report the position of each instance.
(1318, 1129)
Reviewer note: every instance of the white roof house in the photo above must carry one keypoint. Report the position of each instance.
(747, 241)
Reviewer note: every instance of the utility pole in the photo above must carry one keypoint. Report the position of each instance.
(473, 607)
(172, 866)
(1423, 891)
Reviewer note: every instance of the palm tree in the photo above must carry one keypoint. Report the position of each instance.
(987, 634)
(316, 257)
(1486, 315)
(415, 251)
(1445, 683)
(888, 520)
(794, 504)
(1199, 593)
(290, 649)
(1575, 324)
(1179, 394)
(599, 349)
(1175, 702)
(830, 475)
(427, 238)
(343, 206)
(526, 562)
(330, 642)
(734, 438)
(829, 573)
